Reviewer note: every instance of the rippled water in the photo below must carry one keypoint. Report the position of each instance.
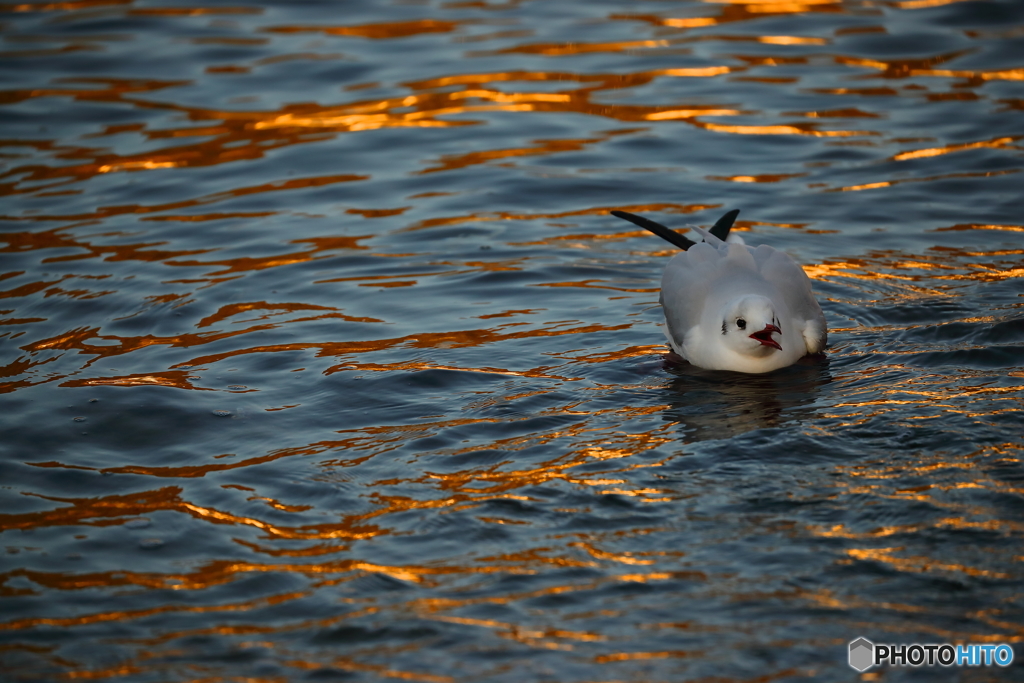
(322, 359)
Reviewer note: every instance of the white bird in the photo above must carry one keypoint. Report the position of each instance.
(732, 307)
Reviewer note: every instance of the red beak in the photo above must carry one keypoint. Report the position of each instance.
(765, 336)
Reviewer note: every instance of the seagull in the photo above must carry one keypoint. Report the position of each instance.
(732, 307)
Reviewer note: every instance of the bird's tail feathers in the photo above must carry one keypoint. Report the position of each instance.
(706, 234)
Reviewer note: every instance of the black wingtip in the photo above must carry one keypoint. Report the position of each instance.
(724, 225)
(658, 229)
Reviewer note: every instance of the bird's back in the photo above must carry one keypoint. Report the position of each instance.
(697, 285)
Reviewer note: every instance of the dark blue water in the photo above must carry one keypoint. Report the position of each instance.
(322, 359)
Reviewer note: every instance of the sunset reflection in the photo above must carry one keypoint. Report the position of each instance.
(244, 136)
(324, 357)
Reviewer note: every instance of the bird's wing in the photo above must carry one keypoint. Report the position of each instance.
(685, 286)
(793, 285)
(709, 237)
(720, 229)
(665, 233)
(724, 224)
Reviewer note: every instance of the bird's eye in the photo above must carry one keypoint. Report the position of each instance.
(741, 323)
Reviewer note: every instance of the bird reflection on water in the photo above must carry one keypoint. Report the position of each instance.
(711, 404)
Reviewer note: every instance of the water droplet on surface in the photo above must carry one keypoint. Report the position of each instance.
(151, 543)
(94, 400)
(137, 523)
(236, 387)
(79, 419)
(185, 367)
(222, 413)
(193, 377)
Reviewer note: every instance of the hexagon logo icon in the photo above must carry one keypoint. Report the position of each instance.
(862, 654)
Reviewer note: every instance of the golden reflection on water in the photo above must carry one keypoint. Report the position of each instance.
(245, 136)
(936, 151)
(381, 31)
(241, 135)
(607, 440)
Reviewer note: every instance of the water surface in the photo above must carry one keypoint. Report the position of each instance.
(322, 358)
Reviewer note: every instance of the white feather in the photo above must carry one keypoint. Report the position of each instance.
(712, 288)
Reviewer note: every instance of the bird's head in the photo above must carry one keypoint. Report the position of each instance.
(748, 325)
